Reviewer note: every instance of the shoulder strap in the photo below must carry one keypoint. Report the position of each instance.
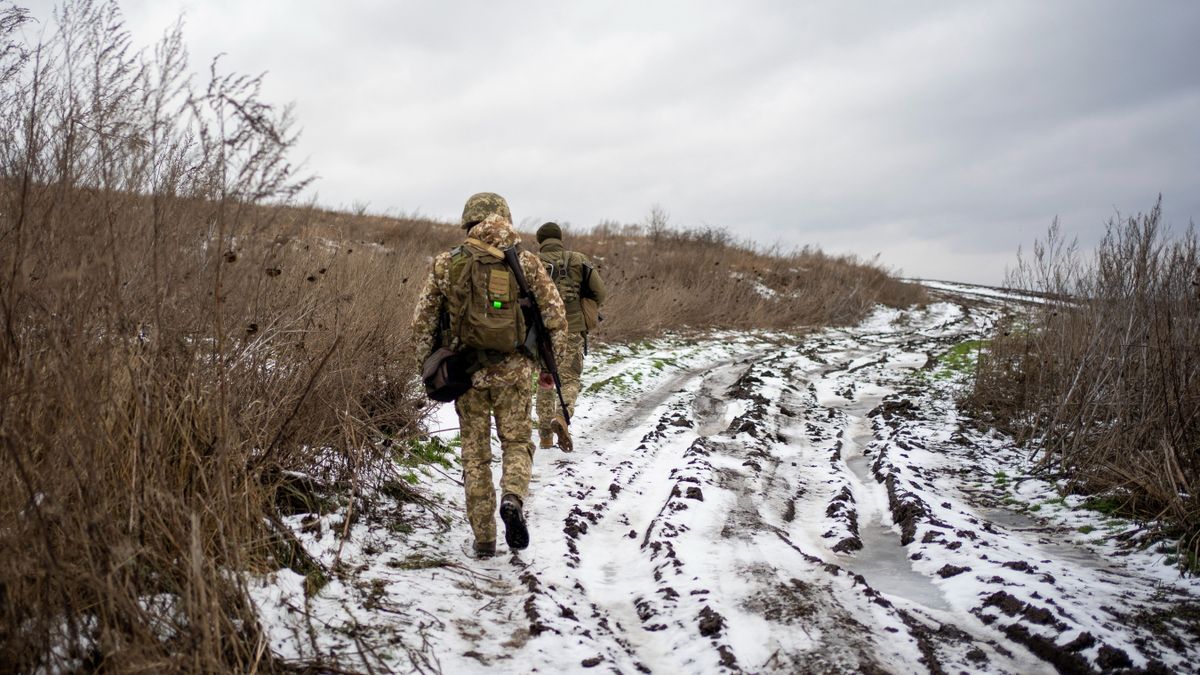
(485, 247)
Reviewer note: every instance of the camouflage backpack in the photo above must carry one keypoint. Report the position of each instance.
(482, 304)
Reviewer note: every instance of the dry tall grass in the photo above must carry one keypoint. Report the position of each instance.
(169, 351)
(673, 279)
(176, 344)
(1105, 377)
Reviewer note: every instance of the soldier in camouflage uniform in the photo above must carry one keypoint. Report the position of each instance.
(576, 279)
(502, 389)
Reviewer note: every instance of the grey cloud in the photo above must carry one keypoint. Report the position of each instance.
(942, 135)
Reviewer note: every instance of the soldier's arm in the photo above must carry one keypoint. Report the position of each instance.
(554, 313)
(596, 285)
(425, 318)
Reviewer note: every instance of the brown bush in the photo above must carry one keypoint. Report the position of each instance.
(704, 279)
(168, 353)
(1104, 377)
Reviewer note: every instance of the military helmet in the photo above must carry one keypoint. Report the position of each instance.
(481, 205)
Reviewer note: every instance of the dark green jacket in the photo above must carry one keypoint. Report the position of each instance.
(575, 276)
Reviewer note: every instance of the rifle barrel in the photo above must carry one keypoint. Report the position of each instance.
(545, 346)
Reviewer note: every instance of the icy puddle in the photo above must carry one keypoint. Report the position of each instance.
(712, 404)
(883, 561)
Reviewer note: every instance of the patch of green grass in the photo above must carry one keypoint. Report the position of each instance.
(919, 376)
(1105, 505)
(415, 452)
(659, 364)
(615, 359)
(314, 581)
(1177, 556)
(601, 384)
(1087, 529)
(616, 382)
(960, 359)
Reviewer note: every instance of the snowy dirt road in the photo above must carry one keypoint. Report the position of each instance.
(758, 503)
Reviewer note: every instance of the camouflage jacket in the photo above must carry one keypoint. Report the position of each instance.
(516, 367)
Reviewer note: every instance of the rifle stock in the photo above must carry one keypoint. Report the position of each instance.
(533, 316)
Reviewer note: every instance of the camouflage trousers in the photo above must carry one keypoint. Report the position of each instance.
(510, 407)
(569, 372)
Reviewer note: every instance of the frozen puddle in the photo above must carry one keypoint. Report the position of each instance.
(711, 406)
(883, 561)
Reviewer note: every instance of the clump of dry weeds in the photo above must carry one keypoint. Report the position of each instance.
(1105, 376)
(170, 352)
(673, 279)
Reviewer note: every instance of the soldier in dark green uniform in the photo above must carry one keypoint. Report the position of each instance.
(582, 292)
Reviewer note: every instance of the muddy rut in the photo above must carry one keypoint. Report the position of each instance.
(811, 504)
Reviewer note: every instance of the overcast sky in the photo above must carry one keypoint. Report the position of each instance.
(939, 135)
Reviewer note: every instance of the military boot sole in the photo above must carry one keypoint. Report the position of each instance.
(515, 532)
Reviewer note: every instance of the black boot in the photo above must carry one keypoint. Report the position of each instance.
(485, 549)
(515, 532)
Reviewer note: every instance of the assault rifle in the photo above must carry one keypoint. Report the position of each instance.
(539, 335)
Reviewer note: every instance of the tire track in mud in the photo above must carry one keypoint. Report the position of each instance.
(640, 569)
(703, 496)
(607, 501)
(786, 507)
(1029, 615)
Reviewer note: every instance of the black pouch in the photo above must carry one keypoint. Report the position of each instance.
(447, 374)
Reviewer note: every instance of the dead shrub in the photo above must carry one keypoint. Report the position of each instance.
(1104, 378)
(170, 352)
(702, 279)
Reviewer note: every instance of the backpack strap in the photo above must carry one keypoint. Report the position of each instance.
(485, 247)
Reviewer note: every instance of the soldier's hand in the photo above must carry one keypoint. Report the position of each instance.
(545, 380)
